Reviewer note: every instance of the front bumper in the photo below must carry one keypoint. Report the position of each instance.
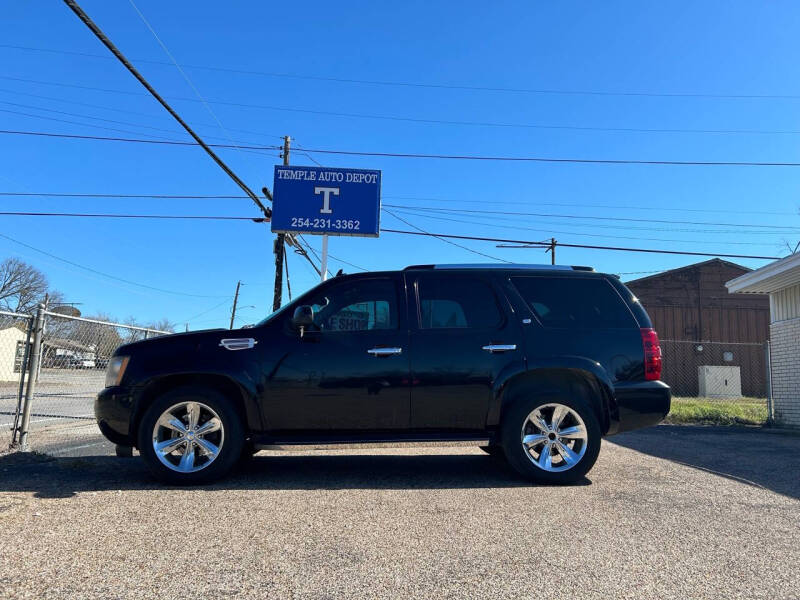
(112, 409)
(639, 404)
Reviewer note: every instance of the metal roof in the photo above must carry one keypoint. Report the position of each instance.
(771, 278)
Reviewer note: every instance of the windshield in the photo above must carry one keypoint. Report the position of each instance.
(293, 304)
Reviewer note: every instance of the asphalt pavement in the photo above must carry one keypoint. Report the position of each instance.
(670, 512)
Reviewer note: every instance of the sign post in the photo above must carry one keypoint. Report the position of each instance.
(326, 201)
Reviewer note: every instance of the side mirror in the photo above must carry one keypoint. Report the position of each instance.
(303, 318)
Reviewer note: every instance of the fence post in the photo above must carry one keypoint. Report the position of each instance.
(23, 369)
(38, 325)
(768, 362)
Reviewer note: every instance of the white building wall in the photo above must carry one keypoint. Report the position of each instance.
(9, 339)
(785, 361)
(785, 304)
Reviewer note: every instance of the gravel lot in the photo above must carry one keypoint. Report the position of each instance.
(670, 512)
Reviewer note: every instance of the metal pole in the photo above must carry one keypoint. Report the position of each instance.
(38, 326)
(23, 367)
(235, 300)
(768, 362)
(324, 266)
(280, 241)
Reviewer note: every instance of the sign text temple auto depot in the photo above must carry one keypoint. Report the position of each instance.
(326, 201)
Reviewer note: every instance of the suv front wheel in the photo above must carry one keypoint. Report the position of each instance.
(553, 440)
(190, 435)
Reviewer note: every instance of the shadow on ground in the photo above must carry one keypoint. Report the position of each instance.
(763, 458)
(63, 477)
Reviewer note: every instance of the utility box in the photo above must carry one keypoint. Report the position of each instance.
(720, 382)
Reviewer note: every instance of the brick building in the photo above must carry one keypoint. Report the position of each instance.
(781, 280)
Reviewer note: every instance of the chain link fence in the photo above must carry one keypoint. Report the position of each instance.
(724, 371)
(15, 341)
(67, 359)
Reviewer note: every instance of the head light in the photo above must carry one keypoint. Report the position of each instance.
(116, 369)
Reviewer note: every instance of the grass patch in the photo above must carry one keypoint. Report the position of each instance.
(713, 411)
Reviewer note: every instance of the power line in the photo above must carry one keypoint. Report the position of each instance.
(205, 312)
(604, 161)
(534, 159)
(126, 216)
(142, 196)
(419, 232)
(122, 110)
(539, 244)
(406, 211)
(517, 90)
(537, 202)
(130, 140)
(551, 231)
(655, 208)
(108, 44)
(108, 275)
(181, 71)
(444, 238)
(588, 217)
(426, 121)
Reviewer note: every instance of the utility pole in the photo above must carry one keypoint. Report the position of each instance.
(235, 300)
(552, 251)
(280, 241)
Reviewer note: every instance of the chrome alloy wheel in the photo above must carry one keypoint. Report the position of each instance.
(188, 437)
(554, 437)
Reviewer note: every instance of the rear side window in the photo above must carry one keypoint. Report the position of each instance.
(457, 303)
(574, 302)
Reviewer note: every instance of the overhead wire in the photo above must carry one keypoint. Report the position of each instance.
(124, 110)
(427, 121)
(108, 44)
(543, 244)
(417, 84)
(444, 238)
(107, 275)
(182, 72)
(551, 231)
(591, 217)
(491, 201)
(533, 159)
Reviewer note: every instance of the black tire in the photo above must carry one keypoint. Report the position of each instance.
(520, 458)
(493, 451)
(229, 451)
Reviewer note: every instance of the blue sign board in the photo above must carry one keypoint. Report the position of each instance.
(326, 200)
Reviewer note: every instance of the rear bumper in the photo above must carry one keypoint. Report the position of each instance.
(639, 404)
(112, 409)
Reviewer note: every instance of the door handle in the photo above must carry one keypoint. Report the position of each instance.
(384, 351)
(499, 347)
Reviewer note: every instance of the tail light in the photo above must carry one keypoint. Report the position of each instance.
(652, 354)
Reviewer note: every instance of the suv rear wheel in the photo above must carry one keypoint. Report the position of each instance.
(553, 440)
(190, 435)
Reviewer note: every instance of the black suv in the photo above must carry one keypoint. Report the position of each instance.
(534, 363)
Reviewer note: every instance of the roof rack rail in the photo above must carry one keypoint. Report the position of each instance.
(503, 266)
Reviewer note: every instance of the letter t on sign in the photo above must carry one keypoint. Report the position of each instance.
(326, 198)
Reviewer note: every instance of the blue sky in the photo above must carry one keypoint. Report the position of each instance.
(682, 55)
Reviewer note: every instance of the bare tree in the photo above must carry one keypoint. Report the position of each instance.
(162, 325)
(22, 286)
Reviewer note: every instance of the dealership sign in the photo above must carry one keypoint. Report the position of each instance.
(328, 201)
